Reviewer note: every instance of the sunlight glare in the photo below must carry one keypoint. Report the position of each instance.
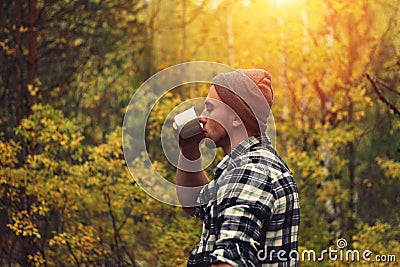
(281, 3)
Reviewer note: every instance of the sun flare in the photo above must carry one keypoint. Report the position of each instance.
(281, 3)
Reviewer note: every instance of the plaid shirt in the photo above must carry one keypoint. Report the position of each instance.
(252, 210)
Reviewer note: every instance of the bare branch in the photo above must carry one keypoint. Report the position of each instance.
(73, 254)
(373, 81)
(386, 86)
(389, 25)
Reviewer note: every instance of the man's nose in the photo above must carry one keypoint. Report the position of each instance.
(202, 117)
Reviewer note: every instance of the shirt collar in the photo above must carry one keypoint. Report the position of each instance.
(242, 148)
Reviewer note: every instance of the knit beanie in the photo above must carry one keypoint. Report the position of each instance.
(249, 93)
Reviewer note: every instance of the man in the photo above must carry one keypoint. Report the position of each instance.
(250, 210)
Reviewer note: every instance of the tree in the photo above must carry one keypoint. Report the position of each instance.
(45, 45)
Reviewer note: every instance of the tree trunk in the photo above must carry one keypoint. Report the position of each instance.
(353, 54)
(18, 81)
(229, 33)
(32, 56)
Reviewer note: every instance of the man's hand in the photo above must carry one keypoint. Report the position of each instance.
(190, 146)
(190, 156)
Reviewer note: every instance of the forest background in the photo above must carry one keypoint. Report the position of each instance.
(68, 70)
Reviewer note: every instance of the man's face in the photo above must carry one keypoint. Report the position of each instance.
(216, 118)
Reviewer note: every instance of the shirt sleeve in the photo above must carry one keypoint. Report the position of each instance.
(206, 194)
(199, 212)
(245, 203)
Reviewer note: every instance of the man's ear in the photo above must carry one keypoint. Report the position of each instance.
(237, 122)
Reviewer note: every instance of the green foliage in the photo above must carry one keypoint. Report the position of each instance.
(78, 204)
(390, 167)
(381, 239)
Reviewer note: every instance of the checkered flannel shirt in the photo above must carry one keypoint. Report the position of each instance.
(252, 210)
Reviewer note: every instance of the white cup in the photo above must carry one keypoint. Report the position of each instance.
(188, 123)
